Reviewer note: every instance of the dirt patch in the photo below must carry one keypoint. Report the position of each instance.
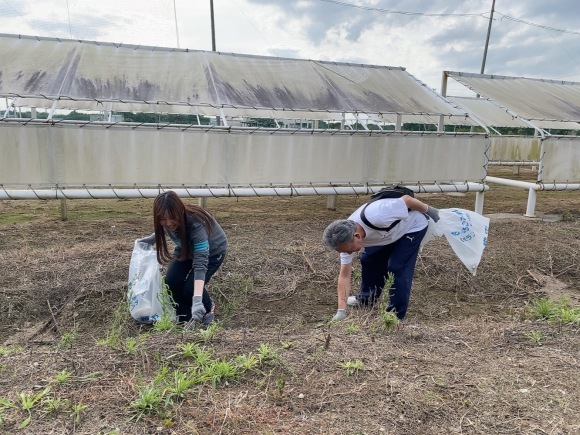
(467, 360)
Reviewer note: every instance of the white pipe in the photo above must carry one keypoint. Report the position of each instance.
(533, 189)
(52, 109)
(512, 183)
(441, 123)
(513, 163)
(479, 202)
(108, 193)
(535, 186)
(531, 207)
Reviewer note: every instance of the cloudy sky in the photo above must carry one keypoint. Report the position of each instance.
(529, 38)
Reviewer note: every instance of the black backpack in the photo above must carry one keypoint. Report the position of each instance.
(394, 191)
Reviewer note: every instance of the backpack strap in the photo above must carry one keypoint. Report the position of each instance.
(374, 227)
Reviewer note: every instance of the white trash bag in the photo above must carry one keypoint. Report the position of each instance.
(146, 300)
(466, 232)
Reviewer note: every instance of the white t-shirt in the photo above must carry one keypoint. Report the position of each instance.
(383, 213)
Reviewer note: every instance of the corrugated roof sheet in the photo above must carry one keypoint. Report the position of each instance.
(493, 115)
(547, 103)
(47, 68)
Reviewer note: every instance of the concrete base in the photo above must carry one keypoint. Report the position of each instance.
(513, 216)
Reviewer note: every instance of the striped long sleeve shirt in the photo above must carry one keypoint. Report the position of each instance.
(201, 245)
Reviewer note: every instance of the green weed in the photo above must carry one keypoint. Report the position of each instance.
(167, 320)
(62, 377)
(318, 352)
(5, 403)
(552, 311)
(351, 367)
(210, 332)
(267, 354)
(90, 377)
(115, 332)
(280, 385)
(67, 339)
(202, 357)
(28, 402)
(221, 371)
(161, 375)
(535, 337)
(151, 400)
(163, 324)
(54, 404)
(543, 309)
(352, 328)
(10, 350)
(389, 318)
(188, 349)
(247, 362)
(181, 383)
(77, 411)
(131, 345)
(286, 344)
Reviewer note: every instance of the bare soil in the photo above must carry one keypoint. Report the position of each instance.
(464, 362)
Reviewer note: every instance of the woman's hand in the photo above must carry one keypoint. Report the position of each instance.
(149, 240)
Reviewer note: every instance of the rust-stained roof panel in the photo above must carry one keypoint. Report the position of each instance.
(81, 70)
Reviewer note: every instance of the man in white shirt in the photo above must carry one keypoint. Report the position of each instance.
(393, 248)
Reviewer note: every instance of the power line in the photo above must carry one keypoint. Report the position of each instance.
(423, 14)
(176, 28)
(389, 11)
(69, 25)
(528, 23)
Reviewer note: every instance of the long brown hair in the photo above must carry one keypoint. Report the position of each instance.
(168, 202)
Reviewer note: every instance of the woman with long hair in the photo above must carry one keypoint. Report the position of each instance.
(200, 249)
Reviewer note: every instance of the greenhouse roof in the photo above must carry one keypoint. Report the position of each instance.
(87, 75)
(506, 101)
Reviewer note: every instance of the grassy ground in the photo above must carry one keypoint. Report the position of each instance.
(492, 354)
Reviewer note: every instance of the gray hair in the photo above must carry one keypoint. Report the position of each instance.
(339, 232)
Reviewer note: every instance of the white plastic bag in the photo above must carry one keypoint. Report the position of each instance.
(145, 298)
(466, 232)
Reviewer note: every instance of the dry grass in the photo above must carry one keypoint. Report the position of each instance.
(463, 363)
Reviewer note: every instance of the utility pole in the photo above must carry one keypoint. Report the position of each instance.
(213, 26)
(217, 118)
(487, 39)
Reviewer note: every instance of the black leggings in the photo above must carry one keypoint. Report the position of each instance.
(179, 278)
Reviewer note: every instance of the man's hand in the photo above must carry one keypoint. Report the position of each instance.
(340, 315)
(433, 213)
(149, 240)
(197, 309)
